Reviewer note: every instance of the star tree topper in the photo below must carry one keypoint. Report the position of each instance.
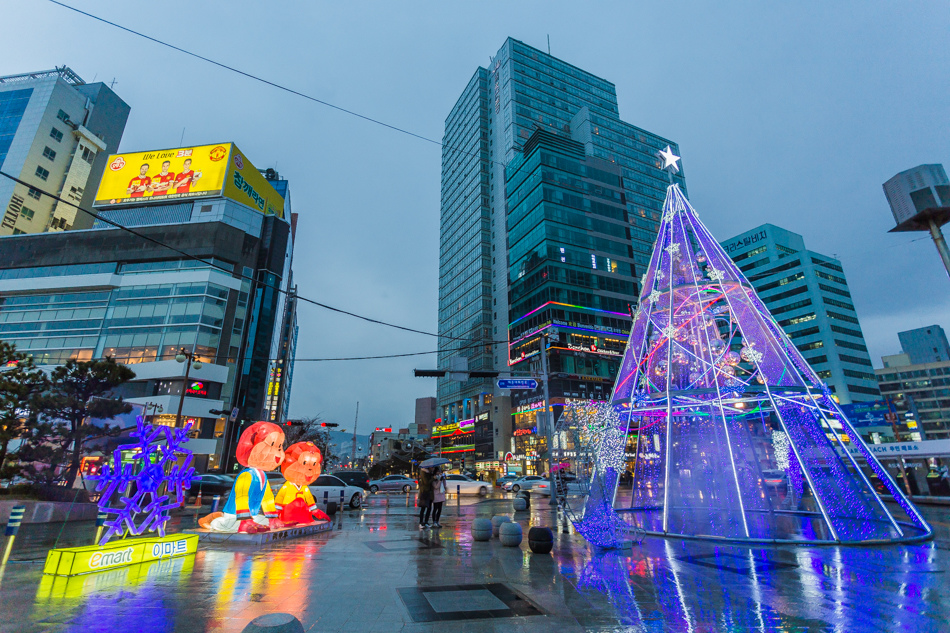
(669, 160)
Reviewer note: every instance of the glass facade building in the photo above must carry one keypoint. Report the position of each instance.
(925, 344)
(87, 294)
(808, 295)
(56, 133)
(923, 391)
(523, 90)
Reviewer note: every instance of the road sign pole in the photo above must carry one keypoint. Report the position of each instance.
(548, 415)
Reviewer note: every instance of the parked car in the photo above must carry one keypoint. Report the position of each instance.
(333, 486)
(525, 483)
(501, 481)
(354, 478)
(210, 484)
(393, 482)
(565, 486)
(465, 485)
(774, 478)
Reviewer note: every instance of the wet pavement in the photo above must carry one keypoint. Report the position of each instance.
(377, 572)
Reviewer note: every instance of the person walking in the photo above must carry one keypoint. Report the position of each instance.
(438, 497)
(424, 497)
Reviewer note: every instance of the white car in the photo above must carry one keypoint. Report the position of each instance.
(466, 486)
(525, 483)
(328, 488)
(573, 488)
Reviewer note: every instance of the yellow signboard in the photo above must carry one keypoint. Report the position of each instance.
(72, 561)
(246, 185)
(164, 175)
(170, 175)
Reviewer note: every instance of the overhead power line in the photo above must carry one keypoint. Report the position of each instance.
(268, 82)
(242, 276)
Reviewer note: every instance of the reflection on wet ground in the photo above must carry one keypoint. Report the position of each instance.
(377, 572)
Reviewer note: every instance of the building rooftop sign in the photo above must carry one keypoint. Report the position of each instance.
(172, 175)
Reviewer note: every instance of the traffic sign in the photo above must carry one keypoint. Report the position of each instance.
(517, 383)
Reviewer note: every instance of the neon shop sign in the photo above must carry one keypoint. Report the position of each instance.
(532, 431)
(197, 388)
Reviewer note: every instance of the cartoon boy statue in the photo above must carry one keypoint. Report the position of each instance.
(250, 507)
(301, 467)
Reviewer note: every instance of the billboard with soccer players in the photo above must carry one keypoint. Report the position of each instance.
(171, 175)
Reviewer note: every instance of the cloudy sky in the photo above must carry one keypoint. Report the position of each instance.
(789, 113)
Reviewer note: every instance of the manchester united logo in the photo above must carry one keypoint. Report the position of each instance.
(218, 153)
(239, 161)
(117, 164)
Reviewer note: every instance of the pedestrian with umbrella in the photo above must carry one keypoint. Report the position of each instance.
(438, 487)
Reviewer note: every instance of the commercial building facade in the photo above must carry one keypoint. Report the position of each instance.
(499, 110)
(923, 391)
(100, 292)
(56, 133)
(925, 345)
(808, 295)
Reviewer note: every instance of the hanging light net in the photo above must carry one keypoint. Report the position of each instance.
(735, 436)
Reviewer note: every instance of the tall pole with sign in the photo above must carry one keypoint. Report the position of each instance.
(548, 416)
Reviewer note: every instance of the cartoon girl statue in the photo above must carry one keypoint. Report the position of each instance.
(301, 467)
(250, 507)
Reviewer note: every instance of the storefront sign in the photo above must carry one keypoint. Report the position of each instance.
(197, 388)
(909, 450)
(72, 561)
(532, 431)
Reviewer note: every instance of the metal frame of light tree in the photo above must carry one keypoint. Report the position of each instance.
(631, 398)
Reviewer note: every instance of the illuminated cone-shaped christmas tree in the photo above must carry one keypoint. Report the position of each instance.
(737, 437)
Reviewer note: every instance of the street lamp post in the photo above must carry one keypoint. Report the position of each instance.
(188, 357)
(154, 407)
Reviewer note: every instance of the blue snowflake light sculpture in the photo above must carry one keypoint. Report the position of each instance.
(139, 495)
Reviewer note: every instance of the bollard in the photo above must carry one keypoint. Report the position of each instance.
(13, 526)
(342, 494)
(214, 503)
(100, 521)
(458, 499)
(274, 623)
(326, 501)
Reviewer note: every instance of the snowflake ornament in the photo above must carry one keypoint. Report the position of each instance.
(716, 274)
(654, 295)
(673, 249)
(669, 331)
(141, 492)
(643, 281)
(669, 215)
(659, 275)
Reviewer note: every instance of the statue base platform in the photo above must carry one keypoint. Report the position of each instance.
(261, 538)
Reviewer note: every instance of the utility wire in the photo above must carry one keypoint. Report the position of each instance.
(270, 83)
(242, 276)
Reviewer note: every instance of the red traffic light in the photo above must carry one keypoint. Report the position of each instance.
(323, 424)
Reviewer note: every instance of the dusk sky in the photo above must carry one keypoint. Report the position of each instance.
(787, 113)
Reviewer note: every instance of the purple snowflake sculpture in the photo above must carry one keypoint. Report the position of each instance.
(146, 489)
(736, 436)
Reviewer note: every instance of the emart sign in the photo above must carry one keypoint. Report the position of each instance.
(73, 561)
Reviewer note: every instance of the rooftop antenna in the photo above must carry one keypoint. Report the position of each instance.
(549, 43)
(112, 85)
(182, 141)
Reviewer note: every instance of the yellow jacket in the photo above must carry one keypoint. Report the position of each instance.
(290, 491)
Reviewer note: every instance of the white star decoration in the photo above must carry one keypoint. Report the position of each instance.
(669, 159)
(754, 355)
(673, 249)
(654, 295)
(716, 275)
(659, 274)
(669, 215)
(669, 331)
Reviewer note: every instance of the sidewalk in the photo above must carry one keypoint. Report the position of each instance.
(377, 572)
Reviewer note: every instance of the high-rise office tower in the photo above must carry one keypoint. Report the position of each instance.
(501, 108)
(808, 295)
(925, 345)
(56, 133)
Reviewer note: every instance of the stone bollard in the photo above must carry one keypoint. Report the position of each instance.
(496, 521)
(482, 529)
(274, 623)
(510, 534)
(541, 540)
(520, 504)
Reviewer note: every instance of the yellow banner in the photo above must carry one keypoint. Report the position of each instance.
(246, 185)
(164, 175)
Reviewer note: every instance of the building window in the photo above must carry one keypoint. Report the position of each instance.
(18, 232)
(48, 153)
(27, 212)
(88, 155)
(62, 116)
(34, 193)
(41, 173)
(56, 135)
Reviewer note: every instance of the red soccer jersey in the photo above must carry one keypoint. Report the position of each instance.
(160, 179)
(183, 181)
(139, 181)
